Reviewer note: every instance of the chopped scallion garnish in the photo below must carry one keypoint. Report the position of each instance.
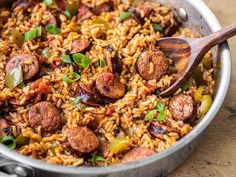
(81, 60)
(160, 109)
(71, 77)
(77, 100)
(66, 58)
(150, 115)
(160, 106)
(95, 158)
(33, 33)
(53, 29)
(161, 115)
(125, 15)
(102, 63)
(186, 86)
(67, 14)
(157, 28)
(9, 141)
(47, 2)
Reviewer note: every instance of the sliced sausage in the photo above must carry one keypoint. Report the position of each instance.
(181, 107)
(109, 86)
(106, 7)
(25, 4)
(146, 9)
(158, 130)
(46, 115)
(135, 14)
(53, 19)
(80, 45)
(82, 140)
(84, 13)
(88, 96)
(152, 65)
(29, 63)
(61, 4)
(137, 154)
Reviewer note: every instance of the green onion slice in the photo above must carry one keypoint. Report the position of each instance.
(81, 60)
(161, 116)
(53, 29)
(33, 33)
(71, 77)
(150, 115)
(157, 28)
(14, 78)
(9, 141)
(186, 86)
(161, 113)
(67, 14)
(47, 2)
(160, 106)
(66, 58)
(95, 158)
(125, 15)
(46, 52)
(77, 100)
(102, 63)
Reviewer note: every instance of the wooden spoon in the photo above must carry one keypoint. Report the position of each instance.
(187, 53)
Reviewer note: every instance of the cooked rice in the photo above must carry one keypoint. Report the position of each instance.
(129, 39)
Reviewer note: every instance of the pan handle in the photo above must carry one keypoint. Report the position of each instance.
(10, 168)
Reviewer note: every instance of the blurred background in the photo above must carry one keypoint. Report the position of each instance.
(216, 154)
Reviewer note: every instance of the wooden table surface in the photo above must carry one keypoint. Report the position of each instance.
(216, 154)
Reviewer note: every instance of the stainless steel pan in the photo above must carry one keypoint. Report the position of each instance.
(194, 14)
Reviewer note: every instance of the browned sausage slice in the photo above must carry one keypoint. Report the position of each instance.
(87, 95)
(61, 4)
(106, 7)
(137, 154)
(82, 140)
(53, 19)
(109, 86)
(84, 13)
(181, 107)
(25, 4)
(46, 115)
(29, 63)
(80, 45)
(146, 9)
(152, 65)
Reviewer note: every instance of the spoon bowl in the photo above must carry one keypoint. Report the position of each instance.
(187, 53)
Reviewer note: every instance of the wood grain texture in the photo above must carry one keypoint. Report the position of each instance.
(216, 154)
(187, 53)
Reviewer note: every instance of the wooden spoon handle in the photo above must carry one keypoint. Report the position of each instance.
(219, 36)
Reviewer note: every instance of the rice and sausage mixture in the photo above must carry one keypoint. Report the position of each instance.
(79, 81)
